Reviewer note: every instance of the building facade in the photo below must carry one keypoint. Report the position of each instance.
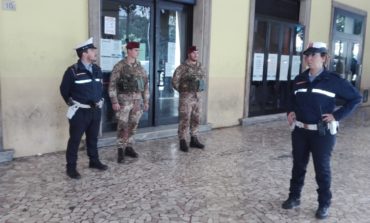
(251, 50)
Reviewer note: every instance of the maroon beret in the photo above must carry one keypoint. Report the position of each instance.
(192, 49)
(132, 45)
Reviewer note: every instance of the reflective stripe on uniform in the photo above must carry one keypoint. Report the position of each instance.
(83, 81)
(315, 90)
(327, 93)
(97, 79)
(300, 90)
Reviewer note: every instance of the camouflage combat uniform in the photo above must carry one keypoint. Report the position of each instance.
(189, 81)
(129, 87)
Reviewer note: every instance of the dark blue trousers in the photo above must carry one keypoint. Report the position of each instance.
(84, 121)
(305, 142)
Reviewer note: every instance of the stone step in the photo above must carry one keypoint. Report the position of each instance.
(149, 133)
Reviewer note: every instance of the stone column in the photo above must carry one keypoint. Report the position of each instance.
(201, 38)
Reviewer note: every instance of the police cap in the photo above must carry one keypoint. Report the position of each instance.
(315, 47)
(88, 44)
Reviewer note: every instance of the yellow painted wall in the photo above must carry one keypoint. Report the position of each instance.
(36, 46)
(320, 21)
(227, 64)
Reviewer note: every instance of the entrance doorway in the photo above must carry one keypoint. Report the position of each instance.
(347, 45)
(276, 55)
(276, 58)
(163, 29)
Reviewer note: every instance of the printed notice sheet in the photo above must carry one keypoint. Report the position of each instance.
(258, 66)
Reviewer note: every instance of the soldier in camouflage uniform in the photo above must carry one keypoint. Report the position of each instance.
(128, 91)
(189, 81)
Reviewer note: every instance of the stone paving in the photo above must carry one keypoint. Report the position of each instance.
(242, 176)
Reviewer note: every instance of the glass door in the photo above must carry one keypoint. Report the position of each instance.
(277, 51)
(171, 42)
(162, 28)
(347, 46)
(122, 22)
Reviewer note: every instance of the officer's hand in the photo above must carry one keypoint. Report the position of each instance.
(116, 107)
(146, 106)
(70, 102)
(291, 117)
(328, 118)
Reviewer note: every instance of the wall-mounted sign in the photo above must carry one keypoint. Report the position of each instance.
(9, 5)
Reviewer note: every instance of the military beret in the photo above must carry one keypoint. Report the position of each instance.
(88, 44)
(315, 47)
(192, 49)
(132, 45)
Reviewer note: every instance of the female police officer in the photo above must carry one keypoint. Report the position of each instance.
(314, 118)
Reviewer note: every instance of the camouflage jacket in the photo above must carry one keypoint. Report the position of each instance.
(125, 71)
(189, 78)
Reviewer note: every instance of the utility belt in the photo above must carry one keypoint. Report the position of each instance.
(321, 127)
(130, 84)
(192, 86)
(72, 109)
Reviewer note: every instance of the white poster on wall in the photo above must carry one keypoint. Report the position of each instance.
(272, 66)
(296, 64)
(284, 65)
(258, 66)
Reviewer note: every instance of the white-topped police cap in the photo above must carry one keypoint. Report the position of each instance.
(316, 47)
(88, 44)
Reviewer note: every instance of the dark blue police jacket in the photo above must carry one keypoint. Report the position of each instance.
(309, 100)
(81, 85)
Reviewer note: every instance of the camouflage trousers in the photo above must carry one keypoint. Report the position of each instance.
(128, 119)
(189, 115)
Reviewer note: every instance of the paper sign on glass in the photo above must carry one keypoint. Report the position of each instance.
(110, 48)
(109, 25)
(284, 65)
(296, 64)
(258, 66)
(271, 66)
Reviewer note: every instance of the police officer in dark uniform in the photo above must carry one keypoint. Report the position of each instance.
(314, 118)
(82, 90)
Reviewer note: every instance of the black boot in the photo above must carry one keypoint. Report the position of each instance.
(97, 165)
(183, 146)
(120, 157)
(195, 143)
(322, 212)
(291, 203)
(129, 151)
(72, 173)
